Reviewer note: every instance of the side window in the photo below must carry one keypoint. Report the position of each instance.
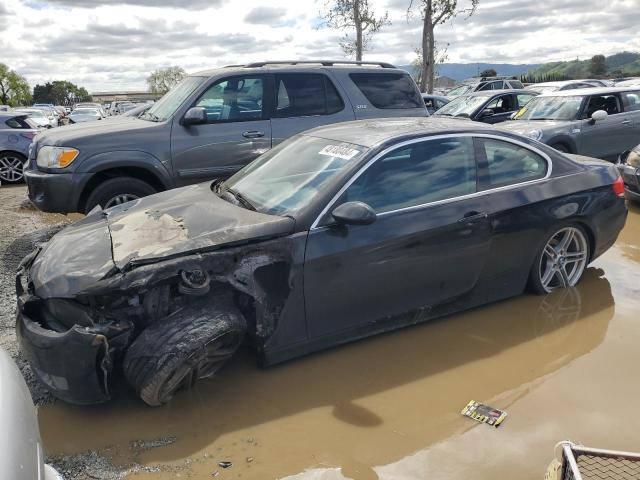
(502, 104)
(236, 99)
(421, 173)
(388, 90)
(631, 101)
(304, 95)
(608, 103)
(486, 86)
(516, 84)
(523, 99)
(507, 164)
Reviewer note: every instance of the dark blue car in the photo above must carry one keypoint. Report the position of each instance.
(16, 133)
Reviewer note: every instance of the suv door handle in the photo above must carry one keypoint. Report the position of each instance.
(253, 134)
(473, 217)
(626, 122)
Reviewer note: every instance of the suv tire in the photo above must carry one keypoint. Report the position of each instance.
(188, 345)
(116, 191)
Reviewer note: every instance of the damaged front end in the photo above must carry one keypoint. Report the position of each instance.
(75, 328)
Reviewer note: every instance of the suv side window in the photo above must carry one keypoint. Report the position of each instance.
(388, 90)
(505, 163)
(421, 173)
(305, 94)
(608, 102)
(236, 99)
(516, 84)
(631, 101)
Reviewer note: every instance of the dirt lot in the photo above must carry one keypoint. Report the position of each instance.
(563, 366)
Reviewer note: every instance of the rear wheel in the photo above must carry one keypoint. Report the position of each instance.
(117, 191)
(562, 260)
(11, 165)
(188, 345)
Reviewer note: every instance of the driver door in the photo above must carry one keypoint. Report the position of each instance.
(237, 131)
(427, 246)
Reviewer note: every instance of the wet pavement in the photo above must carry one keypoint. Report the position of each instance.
(563, 366)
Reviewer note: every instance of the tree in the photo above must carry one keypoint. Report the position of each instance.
(489, 72)
(440, 55)
(60, 92)
(597, 67)
(348, 14)
(434, 13)
(164, 79)
(14, 89)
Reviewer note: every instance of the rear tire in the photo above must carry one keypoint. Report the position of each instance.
(188, 345)
(117, 191)
(561, 147)
(562, 259)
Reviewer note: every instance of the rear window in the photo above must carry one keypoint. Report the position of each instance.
(18, 122)
(388, 90)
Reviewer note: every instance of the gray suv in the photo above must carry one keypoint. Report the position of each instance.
(208, 126)
(597, 122)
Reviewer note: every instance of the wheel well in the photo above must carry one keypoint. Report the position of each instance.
(591, 237)
(14, 153)
(134, 172)
(564, 144)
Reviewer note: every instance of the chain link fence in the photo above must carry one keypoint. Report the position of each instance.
(582, 463)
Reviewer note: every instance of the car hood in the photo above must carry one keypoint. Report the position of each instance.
(79, 134)
(162, 226)
(525, 126)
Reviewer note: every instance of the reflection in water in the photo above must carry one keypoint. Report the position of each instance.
(368, 403)
(629, 240)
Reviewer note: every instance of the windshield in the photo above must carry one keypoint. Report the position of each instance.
(544, 88)
(287, 178)
(462, 106)
(171, 101)
(34, 113)
(550, 108)
(461, 90)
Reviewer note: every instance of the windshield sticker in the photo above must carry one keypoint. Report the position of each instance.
(337, 151)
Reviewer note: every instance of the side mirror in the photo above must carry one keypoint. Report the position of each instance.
(195, 116)
(598, 116)
(487, 112)
(622, 158)
(354, 213)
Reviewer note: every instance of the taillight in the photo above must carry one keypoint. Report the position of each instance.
(618, 187)
(29, 135)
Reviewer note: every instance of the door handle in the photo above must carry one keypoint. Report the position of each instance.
(253, 134)
(626, 122)
(473, 217)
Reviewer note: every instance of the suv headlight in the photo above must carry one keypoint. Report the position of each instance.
(535, 134)
(56, 157)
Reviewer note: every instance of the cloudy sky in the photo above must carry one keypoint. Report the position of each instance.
(114, 44)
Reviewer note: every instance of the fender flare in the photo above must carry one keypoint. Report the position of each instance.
(128, 159)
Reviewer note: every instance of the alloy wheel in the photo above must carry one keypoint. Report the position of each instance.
(564, 259)
(11, 169)
(120, 199)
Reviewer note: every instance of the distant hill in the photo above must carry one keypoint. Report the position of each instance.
(460, 71)
(619, 65)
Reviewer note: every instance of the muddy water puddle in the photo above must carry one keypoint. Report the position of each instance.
(562, 365)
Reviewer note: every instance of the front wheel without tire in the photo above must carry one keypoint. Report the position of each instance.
(561, 261)
(172, 353)
(117, 191)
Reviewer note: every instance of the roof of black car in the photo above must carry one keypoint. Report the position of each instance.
(370, 133)
(588, 91)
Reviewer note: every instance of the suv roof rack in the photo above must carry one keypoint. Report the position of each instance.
(324, 63)
(497, 77)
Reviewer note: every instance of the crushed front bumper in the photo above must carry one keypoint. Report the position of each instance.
(73, 365)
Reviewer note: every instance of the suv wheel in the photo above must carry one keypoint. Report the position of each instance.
(11, 167)
(117, 191)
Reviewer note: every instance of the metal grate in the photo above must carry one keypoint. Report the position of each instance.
(582, 463)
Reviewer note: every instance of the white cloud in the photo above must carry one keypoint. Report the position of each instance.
(115, 44)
